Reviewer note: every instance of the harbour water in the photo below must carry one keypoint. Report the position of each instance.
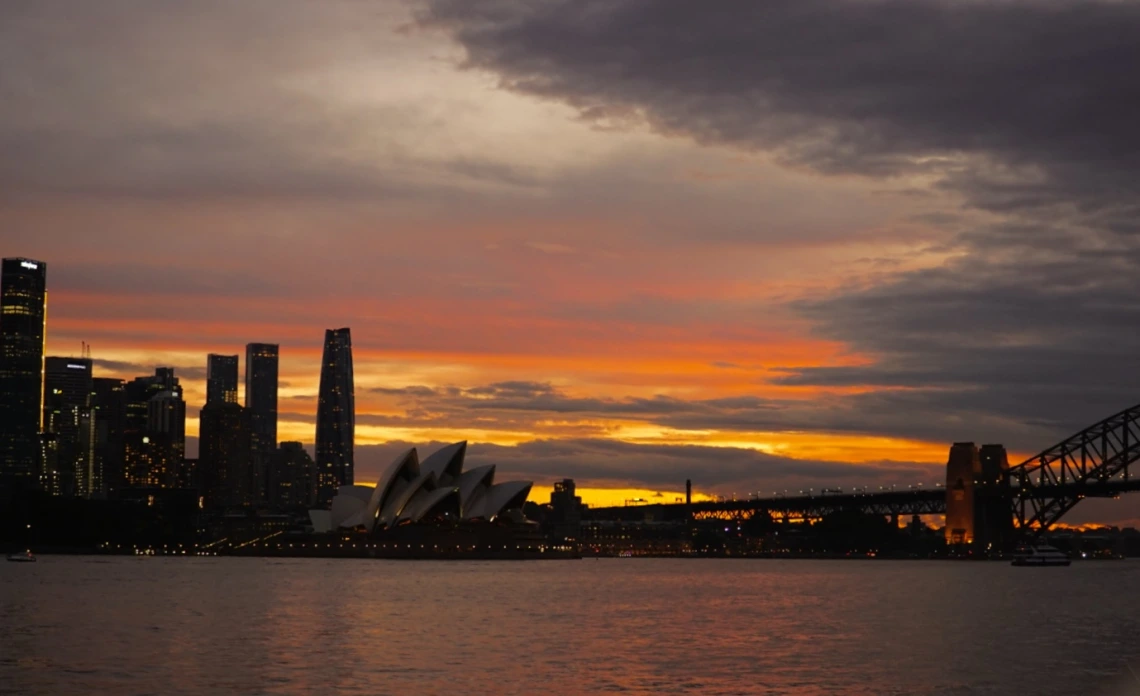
(126, 625)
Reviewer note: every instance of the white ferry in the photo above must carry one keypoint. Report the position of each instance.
(1040, 556)
(22, 557)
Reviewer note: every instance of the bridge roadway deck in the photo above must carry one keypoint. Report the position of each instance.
(920, 501)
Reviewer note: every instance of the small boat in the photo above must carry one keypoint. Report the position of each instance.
(22, 557)
(1040, 556)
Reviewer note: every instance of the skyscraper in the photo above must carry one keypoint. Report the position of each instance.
(224, 455)
(221, 379)
(23, 311)
(336, 416)
(109, 404)
(141, 390)
(261, 401)
(294, 480)
(155, 430)
(67, 415)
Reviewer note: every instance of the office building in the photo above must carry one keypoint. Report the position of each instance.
(109, 406)
(166, 415)
(149, 461)
(293, 483)
(141, 390)
(23, 312)
(155, 430)
(221, 379)
(336, 416)
(224, 455)
(261, 401)
(67, 415)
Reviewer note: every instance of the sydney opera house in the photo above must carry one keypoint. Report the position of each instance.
(434, 493)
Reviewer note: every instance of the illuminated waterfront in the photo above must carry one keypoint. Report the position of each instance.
(80, 625)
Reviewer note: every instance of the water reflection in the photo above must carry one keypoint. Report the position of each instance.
(218, 625)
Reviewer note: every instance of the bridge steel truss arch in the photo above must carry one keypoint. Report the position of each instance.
(1092, 463)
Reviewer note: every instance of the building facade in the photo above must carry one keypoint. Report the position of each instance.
(155, 430)
(68, 387)
(23, 313)
(224, 456)
(221, 379)
(294, 477)
(261, 361)
(109, 406)
(336, 416)
(149, 461)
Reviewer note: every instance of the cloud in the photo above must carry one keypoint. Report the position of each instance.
(914, 414)
(839, 86)
(1026, 111)
(609, 463)
(129, 370)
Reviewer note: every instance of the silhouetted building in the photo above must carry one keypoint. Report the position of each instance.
(336, 416)
(67, 415)
(166, 415)
(993, 512)
(23, 310)
(221, 379)
(565, 517)
(141, 390)
(224, 455)
(188, 475)
(155, 430)
(109, 405)
(261, 400)
(962, 469)
(294, 477)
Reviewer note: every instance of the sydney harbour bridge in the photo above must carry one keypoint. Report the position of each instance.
(984, 498)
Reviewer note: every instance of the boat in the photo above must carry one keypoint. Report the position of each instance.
(1040, 556)
(22, 557)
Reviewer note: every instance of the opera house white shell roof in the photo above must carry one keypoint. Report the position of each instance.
(415, 491)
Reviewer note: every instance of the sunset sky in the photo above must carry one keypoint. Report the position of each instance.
(763, 246)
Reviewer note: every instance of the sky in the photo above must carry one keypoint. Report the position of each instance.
(762, 246)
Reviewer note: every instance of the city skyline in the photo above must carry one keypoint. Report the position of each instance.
(237, 467)
(752, 281)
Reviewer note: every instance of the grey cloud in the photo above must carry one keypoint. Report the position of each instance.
(142, 370)
(928, 414)
(611, 463)
(873, 87)
(1026, 109)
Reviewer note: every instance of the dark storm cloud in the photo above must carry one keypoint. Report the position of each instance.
(1026, 110)
(873, 87)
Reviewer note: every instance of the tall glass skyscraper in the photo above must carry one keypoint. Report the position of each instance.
(261, 402)
(221, 379)
(68, 388)
(23, 313)
(336, 416)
